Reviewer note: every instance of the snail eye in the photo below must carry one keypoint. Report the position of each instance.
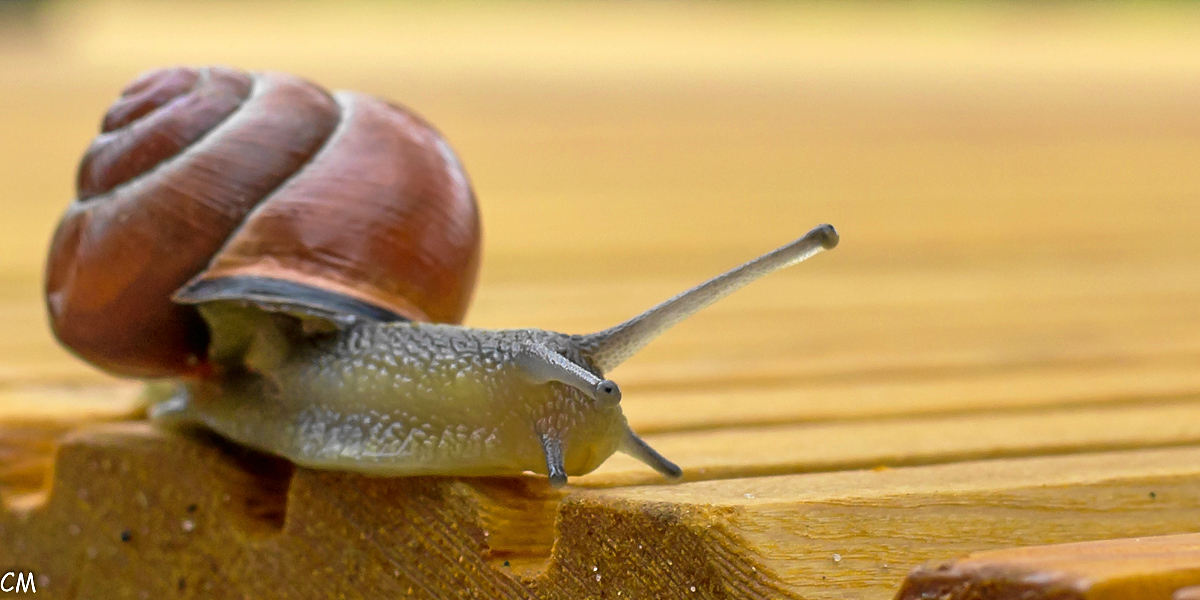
(608, 393)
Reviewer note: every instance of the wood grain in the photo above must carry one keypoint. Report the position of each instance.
(1001, 352)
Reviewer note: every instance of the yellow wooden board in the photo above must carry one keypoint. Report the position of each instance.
(242, 524)
(1008, 334)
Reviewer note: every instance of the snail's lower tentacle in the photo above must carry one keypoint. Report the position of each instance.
(639, 449)
(555, 466)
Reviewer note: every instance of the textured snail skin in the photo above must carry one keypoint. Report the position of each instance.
(412, 399)
(212, 174)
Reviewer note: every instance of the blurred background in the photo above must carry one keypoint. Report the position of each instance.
(1017, 184)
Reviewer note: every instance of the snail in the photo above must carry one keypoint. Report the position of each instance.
(300, 262)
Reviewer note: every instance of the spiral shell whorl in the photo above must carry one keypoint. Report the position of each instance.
(186, 160)
(156, 117)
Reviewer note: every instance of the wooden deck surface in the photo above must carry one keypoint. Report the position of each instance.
(1003, 351)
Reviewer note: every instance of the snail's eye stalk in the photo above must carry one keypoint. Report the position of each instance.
(539, 363)
(611, 347)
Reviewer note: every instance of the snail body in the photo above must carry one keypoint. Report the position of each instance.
(339, 370)
(411, 399)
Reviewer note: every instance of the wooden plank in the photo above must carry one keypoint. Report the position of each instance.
(70, 404)
(855, 534)
(34, 419)
(136, 527)
(1150, 568)
(727, 405)
(758, 451)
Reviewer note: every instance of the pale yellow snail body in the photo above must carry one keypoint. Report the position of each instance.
(332, 376)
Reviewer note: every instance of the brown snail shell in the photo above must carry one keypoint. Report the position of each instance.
(260, 183)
